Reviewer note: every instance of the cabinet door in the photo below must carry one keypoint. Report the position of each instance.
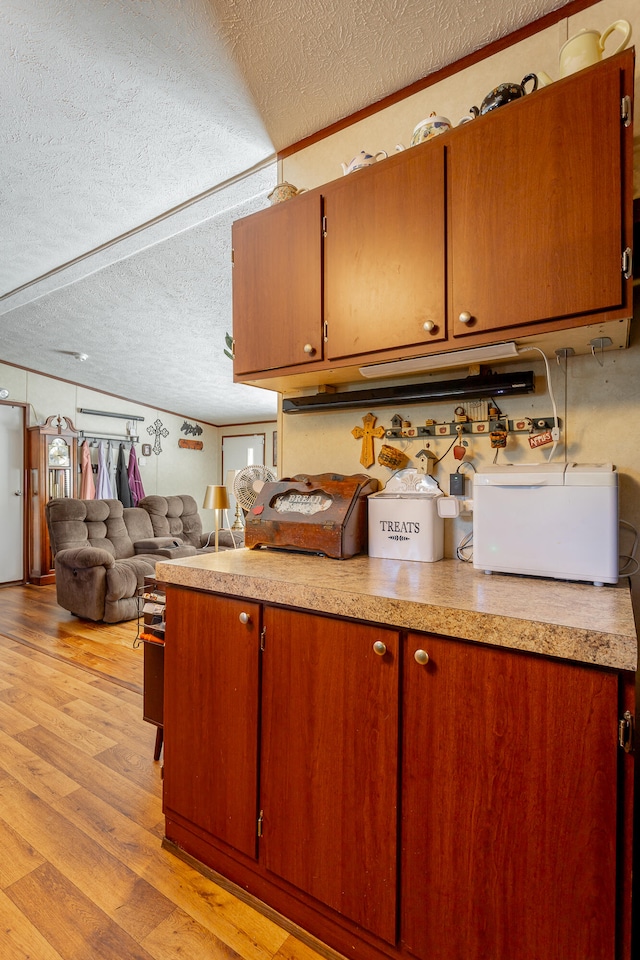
(329, 764)
(385, 255)
(535, 207)
(277, 292)
(509, 805)
(211, 715)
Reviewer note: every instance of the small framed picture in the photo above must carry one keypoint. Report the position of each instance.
(146, 449)
(274, 458)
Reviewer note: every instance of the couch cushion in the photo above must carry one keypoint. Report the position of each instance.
(96, 523)
(138, 524)
(65, 519)
(175, 516)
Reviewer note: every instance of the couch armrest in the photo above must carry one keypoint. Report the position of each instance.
(85, 557)
(168, 553)
(155, 544)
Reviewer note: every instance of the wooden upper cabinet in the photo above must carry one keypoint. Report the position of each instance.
(518, 223)
(211, 715)
(384, 255)
(535, 205)
(277, 294)
(329, 763)
(509, 805)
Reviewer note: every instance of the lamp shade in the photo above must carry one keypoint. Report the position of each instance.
(216, 498)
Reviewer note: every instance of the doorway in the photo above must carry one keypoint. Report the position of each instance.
(12, 492)
(237, 452)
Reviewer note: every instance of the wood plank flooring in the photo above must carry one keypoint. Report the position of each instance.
(82, 872)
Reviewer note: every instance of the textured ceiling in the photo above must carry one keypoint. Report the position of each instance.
(115, 113)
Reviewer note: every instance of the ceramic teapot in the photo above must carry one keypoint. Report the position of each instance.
(587, 48)
(468, 117)
(505, 93)
(284, 191)
(427, 130)
(363, 159)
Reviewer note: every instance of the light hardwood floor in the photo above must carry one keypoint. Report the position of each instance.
(82, 872)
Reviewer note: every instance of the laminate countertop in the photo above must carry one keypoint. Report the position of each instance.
(573, 621)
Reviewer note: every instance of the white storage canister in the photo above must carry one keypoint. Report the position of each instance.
(403, 519)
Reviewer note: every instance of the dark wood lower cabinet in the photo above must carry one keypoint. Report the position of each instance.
(476, 806)
(211, 715)
(329, 763)
(509, 799)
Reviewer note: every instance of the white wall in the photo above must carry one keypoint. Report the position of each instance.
(174, 470)
(452, 97)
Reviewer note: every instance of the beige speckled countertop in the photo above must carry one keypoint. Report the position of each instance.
(574, 621)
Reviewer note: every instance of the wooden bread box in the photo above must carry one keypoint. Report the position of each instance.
(325, 514)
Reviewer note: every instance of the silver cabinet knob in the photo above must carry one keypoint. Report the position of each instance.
(465, 317)
(421, 656)
(429, 326)
(244, 617)
(309, 349)
(380, 648)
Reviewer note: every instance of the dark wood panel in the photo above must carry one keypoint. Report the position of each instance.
(535, 206)
(211, 714)
(329, 764)
(277, 294)
(385, 254)
(509, 806)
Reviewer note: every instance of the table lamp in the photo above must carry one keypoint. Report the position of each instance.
(216, 499)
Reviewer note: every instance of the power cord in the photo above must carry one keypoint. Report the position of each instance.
(465, 544)
(629, 558)
(555, 433)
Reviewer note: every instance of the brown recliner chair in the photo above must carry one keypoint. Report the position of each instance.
(103, 551)
(178, 517)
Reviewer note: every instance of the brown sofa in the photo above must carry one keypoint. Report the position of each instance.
(103, 551)
(178, 517)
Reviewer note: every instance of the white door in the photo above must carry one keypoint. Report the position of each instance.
(11, 493)
(238, 452)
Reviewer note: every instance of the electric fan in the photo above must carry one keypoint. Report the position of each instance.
(248, 482)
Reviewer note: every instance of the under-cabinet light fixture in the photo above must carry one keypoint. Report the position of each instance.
(464, 388)
(441, 361)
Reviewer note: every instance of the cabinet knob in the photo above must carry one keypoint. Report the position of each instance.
(429, 326)
(380, 648)
(421, 656)
(309, 349)
(465, 317)
(244, 617)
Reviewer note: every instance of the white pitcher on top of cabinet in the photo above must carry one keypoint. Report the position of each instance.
(587, 48)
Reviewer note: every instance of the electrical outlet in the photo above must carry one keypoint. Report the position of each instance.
(456, 484)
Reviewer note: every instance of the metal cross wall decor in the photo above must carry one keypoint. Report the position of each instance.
(159, 431)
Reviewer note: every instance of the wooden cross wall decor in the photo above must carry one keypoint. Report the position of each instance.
(367, 433)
